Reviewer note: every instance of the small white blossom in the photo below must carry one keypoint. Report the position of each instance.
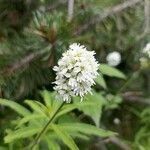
(145, 58)
(117, 121)
(75, 72)
(113, 58)
(146, 49)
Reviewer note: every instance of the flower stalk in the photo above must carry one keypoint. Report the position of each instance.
(37, 139)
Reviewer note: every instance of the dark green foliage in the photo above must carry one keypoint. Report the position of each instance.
(33, 36)
(32, 122)
(16, 14)
(51, 28)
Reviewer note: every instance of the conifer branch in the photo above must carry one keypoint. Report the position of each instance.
(107, 13)
(70, 10)
(12, 68)
(56, 5)
(133, 98)
(147, 16)
(116, 141)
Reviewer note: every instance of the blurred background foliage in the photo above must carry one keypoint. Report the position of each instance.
(33, 35)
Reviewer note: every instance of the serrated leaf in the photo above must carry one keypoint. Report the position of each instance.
(86, 129)
(21, 133)
(67, 118)
(69, 107)
(66, 109)
(29, 118)
(15, 106)
(80, 135)
(35, 106)
(52, 145)
(43, 108)
(96, 102)
(47, 97)
(111, 71)
(65, 137)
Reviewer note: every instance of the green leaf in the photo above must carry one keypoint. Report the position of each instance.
(69, 117)
(111, 71)
(52, 145)
(21, 133)
(50, 101)
(43, 108)
(29, 118)
(47, 97)
(80, 135)
(55, 107)
(101, 81)
(77, 104)
(65, 137)
(66, 109)
(35, 106)
(85, 129)
(15, 106)
(94, 108)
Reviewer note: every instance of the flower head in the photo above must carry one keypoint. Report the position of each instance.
(113, 58)
(75, 72)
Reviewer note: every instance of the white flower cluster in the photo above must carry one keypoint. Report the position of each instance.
(113, 58)
(146, 50)
(75, 72)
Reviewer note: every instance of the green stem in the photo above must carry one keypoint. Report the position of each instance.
(45, 127)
